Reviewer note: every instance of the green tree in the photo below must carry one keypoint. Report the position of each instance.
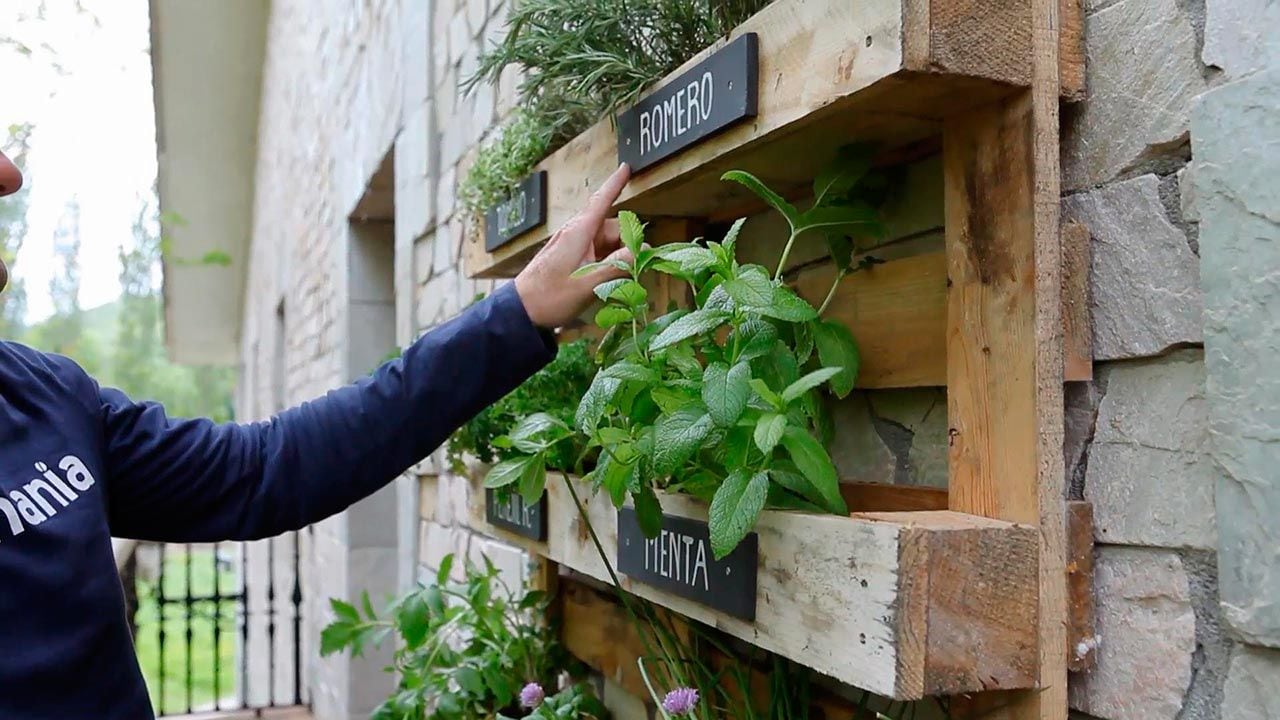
(13, 231)
(137, 347)
(64, 332)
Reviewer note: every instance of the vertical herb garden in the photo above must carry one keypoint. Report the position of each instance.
(673, 467)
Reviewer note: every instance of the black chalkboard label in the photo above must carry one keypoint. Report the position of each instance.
(513, 514)
(679, 561)
(711, 96)
(524, 211)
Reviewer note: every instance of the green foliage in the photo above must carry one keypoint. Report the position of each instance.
(465, 649)
(720, 401)
(582, 60)
(555, 391)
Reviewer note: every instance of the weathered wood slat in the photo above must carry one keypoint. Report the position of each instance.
(1081, 641)
(830, 72)
(902, 604)
(598, 632)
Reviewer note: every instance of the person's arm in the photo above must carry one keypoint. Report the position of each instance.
(193, 480)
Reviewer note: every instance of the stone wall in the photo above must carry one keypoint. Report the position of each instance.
(362, 115)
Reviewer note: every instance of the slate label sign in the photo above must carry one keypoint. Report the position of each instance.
(513, 514)
(711, 96)
(679, 561)
(524, 211)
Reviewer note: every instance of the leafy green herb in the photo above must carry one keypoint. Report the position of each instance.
(718, 400)
(465, 651)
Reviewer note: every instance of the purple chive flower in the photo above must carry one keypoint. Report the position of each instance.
(532, 695)
(680, 701)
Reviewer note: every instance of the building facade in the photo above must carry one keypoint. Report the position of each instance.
(352, 248)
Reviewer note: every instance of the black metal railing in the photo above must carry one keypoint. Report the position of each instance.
(208, 625)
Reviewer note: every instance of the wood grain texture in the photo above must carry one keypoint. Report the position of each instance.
(1005, 335)
(879, 497)
(839, 595)
(1077, 324)
(1081, 645)
(898, 314)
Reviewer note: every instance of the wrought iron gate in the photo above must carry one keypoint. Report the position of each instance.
(219, 627)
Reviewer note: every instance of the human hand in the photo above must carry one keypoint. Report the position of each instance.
(551, 296)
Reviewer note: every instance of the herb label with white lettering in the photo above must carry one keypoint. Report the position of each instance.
(680, 561)
(514, 515)
(718, 92)
(525, 210)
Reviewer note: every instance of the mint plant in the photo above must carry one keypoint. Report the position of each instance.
(719, 401)
(466, 649)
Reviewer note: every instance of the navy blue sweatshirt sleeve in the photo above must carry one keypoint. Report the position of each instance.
(196, 481)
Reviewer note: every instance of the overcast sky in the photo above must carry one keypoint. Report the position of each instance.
(94, 132)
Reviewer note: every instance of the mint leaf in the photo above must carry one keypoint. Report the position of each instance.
(627, 370)
(629, 293)
(756, 337)
(815, 465)
(611, 315)
(691, 258)
(837, 348)
(840, 218)
(769, 431)
(533, 480)
(735, 508)
(595, 401)
(697, 322)
(592, 267)
(774, 200)
(508, 471)
(808, 382)
(648, 511)
(631, 230)
(762, 389)
(731, 238)
(838, 177)
(752, 289)
(678, 436)
(613, 476)
(725, 391)
(786, 305)
(603, 290)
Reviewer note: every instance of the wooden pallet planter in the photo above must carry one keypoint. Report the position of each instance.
(830, 72)
(916, 593)
(905, 604)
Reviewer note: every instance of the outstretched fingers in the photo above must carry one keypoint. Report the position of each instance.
(602, 200)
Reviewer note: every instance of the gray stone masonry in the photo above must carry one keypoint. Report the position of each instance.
(1144, 279)
(1236, 130)
(1146, 629)
(1148, 477)
(1253, 685)
(1142, 72)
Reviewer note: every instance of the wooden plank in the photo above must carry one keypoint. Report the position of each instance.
(1071, 58)
(597, 631)
(1077, 343)
(898, 314)
(1081, 634)
(879, 497)
(1005, 335)
(855, 597)
(831, 72)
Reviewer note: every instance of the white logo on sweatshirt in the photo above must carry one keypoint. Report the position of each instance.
(35, 502)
